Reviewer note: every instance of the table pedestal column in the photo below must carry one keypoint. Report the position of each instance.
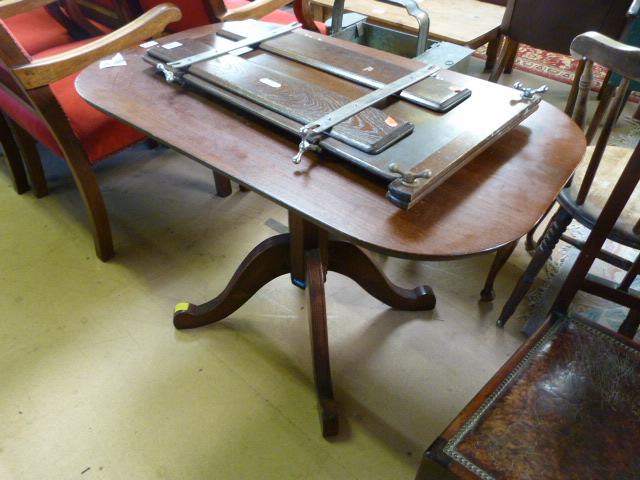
(307, 254)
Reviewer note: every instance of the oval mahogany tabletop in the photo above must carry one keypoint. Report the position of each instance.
(492, 201)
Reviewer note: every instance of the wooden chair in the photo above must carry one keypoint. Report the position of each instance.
(565, 405)
(551, 25)
(583, 198)
(39, 29)
(36, 30)
(113, 13)
(38, 95)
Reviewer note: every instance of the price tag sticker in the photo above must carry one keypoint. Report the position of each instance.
(271, 83)
(172, 45)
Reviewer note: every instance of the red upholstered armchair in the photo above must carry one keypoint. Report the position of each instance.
(200, 12)
(37, 30)
(38, 95)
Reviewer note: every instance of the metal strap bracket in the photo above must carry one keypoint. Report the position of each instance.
(247, 42)
(312, 131)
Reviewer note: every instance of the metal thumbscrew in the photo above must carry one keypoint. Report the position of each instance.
(168, 74)
(528, 93)
(408, 179)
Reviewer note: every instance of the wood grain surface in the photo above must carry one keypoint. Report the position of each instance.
(492, 201)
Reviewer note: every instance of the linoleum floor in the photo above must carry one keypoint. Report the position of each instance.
(96, 383)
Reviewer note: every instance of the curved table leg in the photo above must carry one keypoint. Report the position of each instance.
(306, 250)
(351, 261)
(502, 255)
(320, 342)
(269, 260)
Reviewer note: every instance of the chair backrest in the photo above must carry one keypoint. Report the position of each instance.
(112, 13)
(195, 13)
(625, 61)
(552, 25)
(578, 278)
(594, 184)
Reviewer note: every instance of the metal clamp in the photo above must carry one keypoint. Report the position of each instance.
(313, 131)
(169, 76)
(247, 42)
(528, 93)
(408, 179)
(305, 144)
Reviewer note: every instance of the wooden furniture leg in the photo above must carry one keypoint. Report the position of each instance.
(327, 406)
(502, 255)
(223, 185)
(307, 254)
(14, 158)
(511, 59)
(493, 48)
(31, 156)
(542, 254)
(508, 51)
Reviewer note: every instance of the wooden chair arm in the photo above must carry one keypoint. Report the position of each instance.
(48, 70)
(256, 9)
(302, 9)
(9, 8)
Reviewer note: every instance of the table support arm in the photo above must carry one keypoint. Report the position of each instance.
(307, 254)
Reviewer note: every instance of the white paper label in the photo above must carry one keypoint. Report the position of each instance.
(171, 45)
(271, 83)
(117, 61)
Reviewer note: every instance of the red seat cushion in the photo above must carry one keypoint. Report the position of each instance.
(195, 15)
(278, 16)
(100, 135)
(37, 31)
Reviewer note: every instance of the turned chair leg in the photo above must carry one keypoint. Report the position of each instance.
(542, 254)
(530, 243)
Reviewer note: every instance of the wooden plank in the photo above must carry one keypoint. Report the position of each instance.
(440, 143)
(492, 201)
(370, 131)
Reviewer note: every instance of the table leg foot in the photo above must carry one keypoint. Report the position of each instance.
(315, 277)
(351, 261)
(269, 260)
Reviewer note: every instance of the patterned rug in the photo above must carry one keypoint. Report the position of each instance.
(554, 66)
(603, 312)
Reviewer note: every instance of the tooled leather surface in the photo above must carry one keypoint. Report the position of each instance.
(573, 413)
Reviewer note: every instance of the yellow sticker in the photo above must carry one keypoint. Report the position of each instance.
(182, 307)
